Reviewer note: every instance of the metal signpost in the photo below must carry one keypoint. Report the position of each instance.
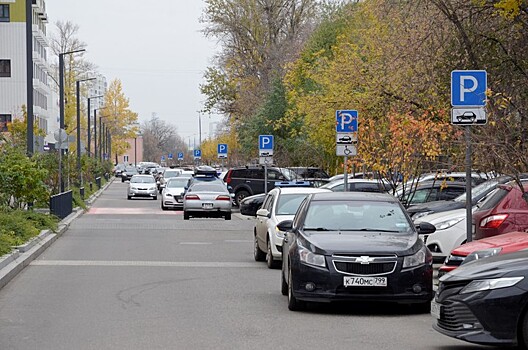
(197, 155)
(346, 137)
(222, 152)
(180, 157)
(468, 99)
(265, 155)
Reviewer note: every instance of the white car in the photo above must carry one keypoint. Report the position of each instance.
(172, 194)
(280, 204)
(450, 232)
(359, 185)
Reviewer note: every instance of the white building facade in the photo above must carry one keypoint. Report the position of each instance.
(13, 66)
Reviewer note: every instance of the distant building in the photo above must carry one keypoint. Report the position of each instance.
(13, 65)
(134, 154)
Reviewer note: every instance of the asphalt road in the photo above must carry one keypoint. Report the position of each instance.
(128, 276)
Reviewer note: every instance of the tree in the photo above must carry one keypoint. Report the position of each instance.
(160, 138)
(118, 118)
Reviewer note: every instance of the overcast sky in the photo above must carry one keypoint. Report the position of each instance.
(154, 47)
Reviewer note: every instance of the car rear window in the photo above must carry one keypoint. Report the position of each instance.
(207, 187)
(493, 199)
(142, 179)
(170, 173)
(177, 182)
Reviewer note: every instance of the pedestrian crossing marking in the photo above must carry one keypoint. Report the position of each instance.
(131, 211)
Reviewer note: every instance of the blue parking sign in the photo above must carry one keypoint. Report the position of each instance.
(170, 156)
(180, 156)
(197, 154)
(468, 88)
(266, 142)
(162, 158)
(346, 121)
(222, 148)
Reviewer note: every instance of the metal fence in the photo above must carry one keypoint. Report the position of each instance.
(61, 205)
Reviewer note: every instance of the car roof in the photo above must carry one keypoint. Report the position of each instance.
(143, 175)
(300, 190)
(355, 196)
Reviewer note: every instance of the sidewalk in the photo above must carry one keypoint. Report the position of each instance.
(11, 264)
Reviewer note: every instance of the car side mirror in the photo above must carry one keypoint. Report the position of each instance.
(263, 212)
(127, 181)
(232, 195)
(425, 228)
(285, 226)
(229, 188)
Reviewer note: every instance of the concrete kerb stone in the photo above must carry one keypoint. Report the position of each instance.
(11, 264)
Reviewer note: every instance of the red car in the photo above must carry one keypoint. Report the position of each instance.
(503, 244)
(504, 211)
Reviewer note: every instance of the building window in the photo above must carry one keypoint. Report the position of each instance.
(4, 13)
(5, 120)
(5, 68)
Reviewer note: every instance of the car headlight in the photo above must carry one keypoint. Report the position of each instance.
(421, 214)
(152, 188)
(496, 283)
(481, 254)
(310, 258)
(416, 259)
(133, 188)
(168, 195)
(448, 223)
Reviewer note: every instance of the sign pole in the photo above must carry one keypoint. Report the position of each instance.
(469, 203)
(266, 177)
(346, 174)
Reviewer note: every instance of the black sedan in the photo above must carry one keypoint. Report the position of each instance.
(250, 205)
(485, 301)
(354, 246)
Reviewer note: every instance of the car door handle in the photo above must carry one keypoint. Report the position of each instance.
(247, 181)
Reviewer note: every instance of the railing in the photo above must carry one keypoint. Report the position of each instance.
(61, 205)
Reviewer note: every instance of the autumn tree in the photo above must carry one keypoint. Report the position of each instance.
(118, 118)
(160, 138)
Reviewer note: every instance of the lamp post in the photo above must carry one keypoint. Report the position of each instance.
(89, 122)
(200, 127)
(29, 76)
(95, 131)
(61, 84)
(78, 92)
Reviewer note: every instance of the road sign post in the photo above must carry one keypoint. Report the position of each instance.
(346, 138)
(468, 99)
(266, 151)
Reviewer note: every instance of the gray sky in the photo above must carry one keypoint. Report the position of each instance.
(154, 47)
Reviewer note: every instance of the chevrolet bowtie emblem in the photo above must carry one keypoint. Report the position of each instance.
(364, 260)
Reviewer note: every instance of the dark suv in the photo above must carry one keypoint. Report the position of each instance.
(248, 181)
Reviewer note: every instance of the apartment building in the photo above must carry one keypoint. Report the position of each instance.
(13, 65)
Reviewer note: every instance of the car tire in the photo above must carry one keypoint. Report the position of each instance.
(523, 332)
(422, 308)
(284, 284)
(258, 254)
(129, 198)
(155, 198)
(122, 179)
(185, 215)
(163, 207)
(240, 195)
(227, 216)
(270, 261)
(293, 303)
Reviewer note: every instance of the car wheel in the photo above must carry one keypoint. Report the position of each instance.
(293, 303)
(227, 216)
(155, 198)
(128, 197)
(122, 180)
(163, 207)
(272, 263)
(258, 254)
(185, 215)
(422, 308)
(240, 195)
(284, 284)
(523, 332)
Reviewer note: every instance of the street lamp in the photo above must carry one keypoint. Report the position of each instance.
(29, 77)
(95, 131)
(78, 88)
(61, 84)
(89, 127)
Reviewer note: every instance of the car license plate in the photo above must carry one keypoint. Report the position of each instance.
(435, 309)
(350, 281)
(207, 205)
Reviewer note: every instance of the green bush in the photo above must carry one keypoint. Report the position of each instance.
(18, 226)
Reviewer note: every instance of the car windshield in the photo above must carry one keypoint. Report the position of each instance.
(361, 216)
(177, 182)
(170, 173)
(142, 180)
(131, 170)
(478, 190)
(289, 203)
(208, 187)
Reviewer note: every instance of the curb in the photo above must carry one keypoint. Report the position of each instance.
(11, 264)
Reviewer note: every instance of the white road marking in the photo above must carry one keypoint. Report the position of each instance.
(217, 264)
(238, 241)
(195, 243)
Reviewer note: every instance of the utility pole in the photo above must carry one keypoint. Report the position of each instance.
(29, 77)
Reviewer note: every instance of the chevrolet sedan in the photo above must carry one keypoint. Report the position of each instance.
(142, 186)
(207, 199)
(352, 246)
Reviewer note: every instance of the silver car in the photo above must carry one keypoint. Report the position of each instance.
(207, 199)
(167, 174)
(142, 186)
(172, 194)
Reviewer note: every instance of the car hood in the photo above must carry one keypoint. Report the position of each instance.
(492, 267)
(334, 242)
(510, 242)
(443, 216)
(436, 206)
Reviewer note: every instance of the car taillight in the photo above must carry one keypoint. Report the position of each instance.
(223, 198)
(228, 177)
(493, 221)
(192, 197)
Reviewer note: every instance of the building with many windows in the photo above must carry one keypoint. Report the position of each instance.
(13, 65)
